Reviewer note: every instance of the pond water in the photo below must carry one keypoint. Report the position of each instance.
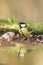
(9, 57)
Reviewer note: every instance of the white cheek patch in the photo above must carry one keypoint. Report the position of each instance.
(23, 25)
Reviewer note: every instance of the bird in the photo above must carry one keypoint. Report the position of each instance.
(24, 30)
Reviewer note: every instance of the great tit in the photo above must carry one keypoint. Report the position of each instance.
(24, 30)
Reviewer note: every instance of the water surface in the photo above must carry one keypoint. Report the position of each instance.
(8, 56)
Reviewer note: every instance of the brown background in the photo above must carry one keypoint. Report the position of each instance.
(29, 10)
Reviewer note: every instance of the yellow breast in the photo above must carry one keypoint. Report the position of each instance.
(25, 32)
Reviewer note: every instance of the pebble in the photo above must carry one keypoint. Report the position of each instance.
(1, 40)
(37, 40)
(8, 36)
(41, 39)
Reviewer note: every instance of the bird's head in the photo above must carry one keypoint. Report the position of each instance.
(22, 25)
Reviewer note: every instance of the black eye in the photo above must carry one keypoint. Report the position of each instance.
(22, 25)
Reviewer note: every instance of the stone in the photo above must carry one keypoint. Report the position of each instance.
(8, 36)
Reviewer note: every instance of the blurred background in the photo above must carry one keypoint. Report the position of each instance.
(28, 10)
